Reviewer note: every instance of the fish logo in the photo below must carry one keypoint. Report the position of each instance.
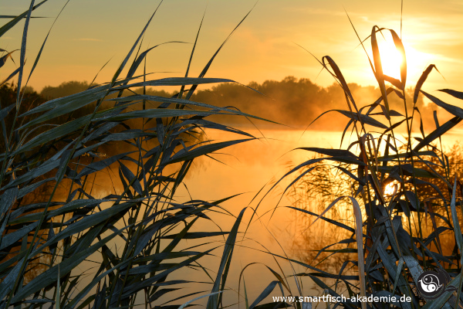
(432, 284)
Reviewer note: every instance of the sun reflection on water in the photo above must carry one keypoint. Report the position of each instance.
(391, 188)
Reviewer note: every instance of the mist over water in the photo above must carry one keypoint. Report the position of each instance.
(291, 102)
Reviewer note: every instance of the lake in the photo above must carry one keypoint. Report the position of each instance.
(247, 169)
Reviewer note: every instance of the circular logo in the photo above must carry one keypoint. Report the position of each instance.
(432, 284)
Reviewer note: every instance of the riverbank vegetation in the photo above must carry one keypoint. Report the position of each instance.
(403, 192)
(52, 220)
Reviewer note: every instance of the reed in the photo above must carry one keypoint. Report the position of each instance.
(399, 186)
(154, 140)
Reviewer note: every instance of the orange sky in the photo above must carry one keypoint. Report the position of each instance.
(90, 32)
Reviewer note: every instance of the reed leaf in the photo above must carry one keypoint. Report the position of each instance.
(454, 93)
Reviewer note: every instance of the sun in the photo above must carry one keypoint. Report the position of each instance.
(391, 58)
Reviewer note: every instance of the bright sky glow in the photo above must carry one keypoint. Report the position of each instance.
(90, 32)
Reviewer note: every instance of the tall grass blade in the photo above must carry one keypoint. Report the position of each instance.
(4, 29)
(379, 68)
(454, 110)
(206, 68)
(13, 74)
(58, 291)
(124, 62)
(246, 302)
(3, 59)
(37, 58)
(65, 267)
(456, 224)
(222, 273)
(266, 292)
(454, 93)
(437, 133)
(23, 53)
(421, 81)
(198, 298)
(403, 65)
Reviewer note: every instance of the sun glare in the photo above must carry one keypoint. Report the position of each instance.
(391, 59)
(391, 188)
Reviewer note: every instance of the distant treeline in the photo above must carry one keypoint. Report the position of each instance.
(291, 101)
(297, 102)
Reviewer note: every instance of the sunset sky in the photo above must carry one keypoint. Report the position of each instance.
(91, 32)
